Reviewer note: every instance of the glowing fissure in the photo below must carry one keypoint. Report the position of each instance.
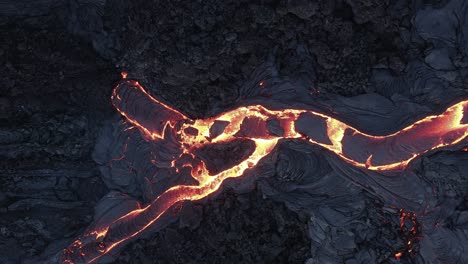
(422, 136)
(410, 228)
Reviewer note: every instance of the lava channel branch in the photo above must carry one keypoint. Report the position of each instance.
(154, 119)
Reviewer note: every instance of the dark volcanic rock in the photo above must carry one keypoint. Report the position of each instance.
(62, 58)
(221, 156)
(234, 229)
(220, 43)
(54, 95)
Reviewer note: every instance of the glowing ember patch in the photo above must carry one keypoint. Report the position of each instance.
(369, 161)
(353, 146)
(409, 228)
(124, 75)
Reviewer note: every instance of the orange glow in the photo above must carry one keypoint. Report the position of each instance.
(421, 137)
(124, 75)
(398, 255)
(408, 219)
(99, 233)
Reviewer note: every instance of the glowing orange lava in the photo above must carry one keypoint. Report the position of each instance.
(398, 255)
(250, 122)
(410, 229)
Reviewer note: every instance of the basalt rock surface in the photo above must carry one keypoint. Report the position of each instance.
(394, 61)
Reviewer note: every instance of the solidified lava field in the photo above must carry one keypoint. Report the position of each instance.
(73, 160)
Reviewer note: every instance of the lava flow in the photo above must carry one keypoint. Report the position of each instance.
(254, 123)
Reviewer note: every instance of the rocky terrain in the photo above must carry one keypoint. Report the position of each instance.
(61, 60)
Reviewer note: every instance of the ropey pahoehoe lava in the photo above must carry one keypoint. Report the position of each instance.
(379, 153)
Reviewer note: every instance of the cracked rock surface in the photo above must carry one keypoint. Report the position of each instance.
(61, 60)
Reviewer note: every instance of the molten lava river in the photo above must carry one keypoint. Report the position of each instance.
(378, 153)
